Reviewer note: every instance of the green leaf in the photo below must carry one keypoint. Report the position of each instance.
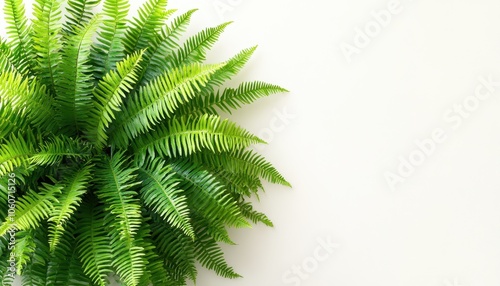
(160, 192)
(32, 208)
(47, 42)
(142, 29)
(109, 95)
(109, 48)
(74, 88)
(93, 244)
(185, 136)
(158, 100)
(75, 186)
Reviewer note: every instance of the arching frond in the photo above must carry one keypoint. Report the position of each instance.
(15, 152)
(158, 100)
(109, 96)
(24, 248)
(207, 196)
(185, 136)
(162, 47)
(231, 99)
(35, 273)
(93, 243)
(109, 48)
(47, 28)
(160, 192)
(32, 208)
(210, 255)
(18, 30)
(28, 97)
(255, 216)
(79, 14)
(242, 162)
(74, 88)
(115, 179)
(75, 186)
(142, 29)
(64, 266)
(196, 47)
(54, 149)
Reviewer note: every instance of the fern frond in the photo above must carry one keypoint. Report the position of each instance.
(160, 192)
(151, 16)
(255, 216)
(109, 96)
(210, 255)
(185, 136)
(94, 244)
(242, 162)
(15, 152)
(24, 248)
(207, 196)
(231, 99)
(11, 120)
(109, 48)
(35, 273)
(64, 266)
(163, 45)
(128, 258)
(176, 249)
(7, 61)
(196, 47)
(47, 40)
(115, 180)
(54, 149)
(75, 186)
(158, 100)
(28, 97)
(74, 87)
(79, 14)
(18, 30)
(33, 207)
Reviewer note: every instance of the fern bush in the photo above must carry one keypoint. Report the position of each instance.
(114, 157)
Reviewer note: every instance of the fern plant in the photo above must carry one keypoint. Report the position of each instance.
(114, 155)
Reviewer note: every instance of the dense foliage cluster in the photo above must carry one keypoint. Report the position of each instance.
(114, 158)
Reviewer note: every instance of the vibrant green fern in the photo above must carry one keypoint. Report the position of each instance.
(123, 162)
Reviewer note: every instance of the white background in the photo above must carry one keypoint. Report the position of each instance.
(352, 121)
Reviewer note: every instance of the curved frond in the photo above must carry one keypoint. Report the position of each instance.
(142, 29)
(231, 99)
(18, 30)
(115, 180)
(54, 149)
(158, 100)
(109, 48)
(28, 97)
(210, 255)
(65, 269)
(109, 96)
(242, 162)
(185, 136)
(32, 208)
(196, 47)
(15, 152)
(47, 28)
(163, 45)
(75, 186)
(160, 192)
(207, 196)
(79, 14)
(74, 89)
(93, 243)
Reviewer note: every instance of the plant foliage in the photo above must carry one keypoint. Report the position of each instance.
(115, 149)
